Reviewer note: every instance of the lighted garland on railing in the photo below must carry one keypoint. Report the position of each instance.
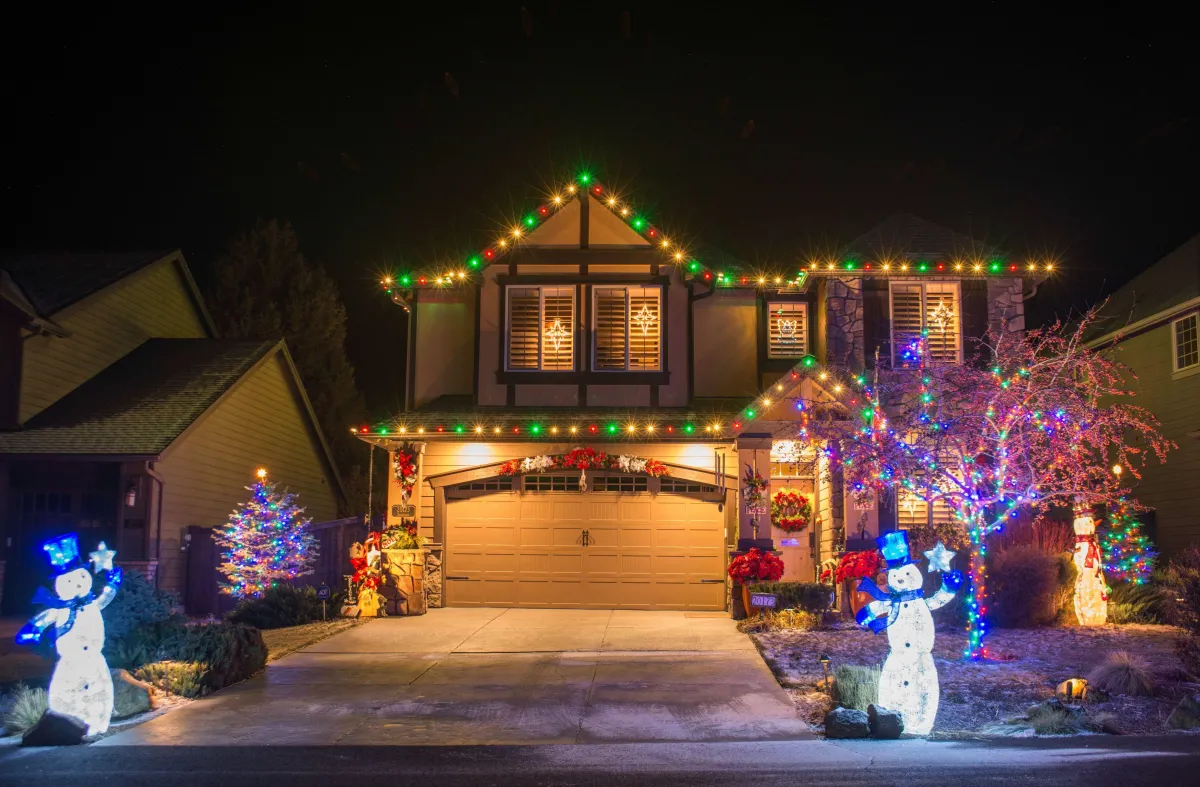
(676, 253)
(584, 459)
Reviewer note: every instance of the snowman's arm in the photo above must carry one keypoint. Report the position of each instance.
(950, 585)
(31, 632)
(874, 615)
(110, 588)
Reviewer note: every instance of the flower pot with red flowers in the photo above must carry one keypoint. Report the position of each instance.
(853, 567)
(754, 566)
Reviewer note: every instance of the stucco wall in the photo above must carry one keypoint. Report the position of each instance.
(152, 303)
(445, 344)
(726, 344)
(258, 424)
(1175, 399)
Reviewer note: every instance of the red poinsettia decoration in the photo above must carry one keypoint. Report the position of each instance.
(656, 468)
(790, 510)
(855, 565)
(826, 574)
(404, 468)
(756, 566)
(584, 458)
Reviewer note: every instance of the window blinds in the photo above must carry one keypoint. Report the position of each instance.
(628, 328)
(541, 328)
(932, 306)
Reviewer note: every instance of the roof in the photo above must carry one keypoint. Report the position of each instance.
(1171, 282)
(139, 405)
(906, 235)
(55, 280)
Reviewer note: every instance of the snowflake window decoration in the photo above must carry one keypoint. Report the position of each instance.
(645, 319)
(557, 335)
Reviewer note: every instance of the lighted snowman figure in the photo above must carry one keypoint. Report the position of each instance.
(81, 686)
(1091, 590)
(909, 682)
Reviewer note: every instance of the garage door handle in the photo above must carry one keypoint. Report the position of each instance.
(712, 582)
(456, 578)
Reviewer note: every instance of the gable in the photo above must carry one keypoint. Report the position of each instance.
(605, 227)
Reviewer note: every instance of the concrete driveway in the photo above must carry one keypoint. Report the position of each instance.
(496, 676)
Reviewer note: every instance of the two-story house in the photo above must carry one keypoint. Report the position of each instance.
(124, 418)
(589, 325)
(1152, 325)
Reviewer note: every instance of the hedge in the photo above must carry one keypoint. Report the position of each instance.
(810, 596)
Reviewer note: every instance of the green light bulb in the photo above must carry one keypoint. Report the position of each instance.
(808, 360)
(535, 429)
(530, 221)
(459, 429)
(474, 262)
(612, 428)
(693, 266)
(639, 223)
(585, 177)
(406, 280)
(689, 428)
(750, 413)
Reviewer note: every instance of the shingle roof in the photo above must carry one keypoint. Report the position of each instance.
(139, 405)
(53, 281)
(903, 234)
(1167, 283)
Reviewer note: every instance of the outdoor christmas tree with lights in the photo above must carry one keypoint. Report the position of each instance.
(265, 541)
(1042, 423)
(1129, 553)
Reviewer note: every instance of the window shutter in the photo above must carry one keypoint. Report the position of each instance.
(610, 328)
(645, 328)
(558, 329)
(523, 328)
(787, 330)
(906, 315)
(943, 318)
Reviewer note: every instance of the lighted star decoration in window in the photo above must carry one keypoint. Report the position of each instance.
(556, 334)
(645, 319)
(942, 316)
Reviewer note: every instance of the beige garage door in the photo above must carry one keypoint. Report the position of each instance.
(598, 549)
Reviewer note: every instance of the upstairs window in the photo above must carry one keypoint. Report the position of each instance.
(927, 306)
(787, 330)
(541, 329)
(1187, 345)
(628, 329)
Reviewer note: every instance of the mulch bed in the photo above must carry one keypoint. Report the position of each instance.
(977, 694)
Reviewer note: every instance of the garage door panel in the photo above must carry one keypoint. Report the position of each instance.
(644, 551)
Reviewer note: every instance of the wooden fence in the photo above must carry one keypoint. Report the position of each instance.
(202, 594)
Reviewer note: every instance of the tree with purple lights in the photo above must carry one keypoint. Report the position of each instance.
(1045, 422)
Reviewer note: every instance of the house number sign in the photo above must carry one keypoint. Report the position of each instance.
(764, 600)
(402, 511)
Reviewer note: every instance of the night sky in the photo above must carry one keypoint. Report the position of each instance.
(407, 137)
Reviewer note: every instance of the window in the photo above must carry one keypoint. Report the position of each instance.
(912, 510)
(621, 483)
(790, 470)
(787, 330)
(541, 328)
(628, 329)
(932, 306)
(1187, 348)
(551, 483)
(679, 486)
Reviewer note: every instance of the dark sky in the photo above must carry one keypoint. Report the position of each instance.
(405, 136)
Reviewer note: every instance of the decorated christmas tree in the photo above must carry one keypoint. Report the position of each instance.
(266, 540)
(1129, 553)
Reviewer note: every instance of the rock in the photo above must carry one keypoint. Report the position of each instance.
(846, 723)
(55, 730)
(1186, 715)
(130, 695)
(884, 723)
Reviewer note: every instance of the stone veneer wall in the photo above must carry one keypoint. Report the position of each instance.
(1006, 302)
(433, 576)
(844, 322)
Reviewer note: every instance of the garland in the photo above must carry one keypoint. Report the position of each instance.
(790, 510)
(754, 492)
(584, 459)
(404, 469)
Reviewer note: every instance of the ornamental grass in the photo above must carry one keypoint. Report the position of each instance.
(1122, 672)
(856, 686)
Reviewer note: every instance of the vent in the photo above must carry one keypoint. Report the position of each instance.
(787, 330)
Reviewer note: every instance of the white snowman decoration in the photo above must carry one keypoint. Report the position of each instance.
(81, 686)
(1091, 589)
(909, 682)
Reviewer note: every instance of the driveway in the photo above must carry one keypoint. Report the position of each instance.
(497, 676)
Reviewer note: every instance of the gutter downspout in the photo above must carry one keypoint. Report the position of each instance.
(150, 471)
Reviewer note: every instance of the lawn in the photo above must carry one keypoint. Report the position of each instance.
(281, 642)
(978, 694)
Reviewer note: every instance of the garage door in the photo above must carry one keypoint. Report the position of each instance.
(553, 546)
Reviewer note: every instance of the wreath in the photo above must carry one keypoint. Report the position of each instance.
(790, 510)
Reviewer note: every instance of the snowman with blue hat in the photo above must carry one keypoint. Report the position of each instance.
(909, 681)
(81, 686)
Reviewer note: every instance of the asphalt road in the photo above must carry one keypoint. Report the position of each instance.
(1090, 761)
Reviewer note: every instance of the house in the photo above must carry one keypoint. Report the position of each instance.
(1153, 323)
(588, 326)
(124, 418)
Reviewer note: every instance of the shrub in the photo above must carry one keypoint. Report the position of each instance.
(810, 596)
(231, 652)
(1122, 672)
(1023, 585)
(140, 623)
(280, 607)
(185, 678)
(25, 709)
(1046, 720)
(1187, 648)
(1182, 580)
(1132, 603)
(783, 620)
(856, 686)
(1064, 591)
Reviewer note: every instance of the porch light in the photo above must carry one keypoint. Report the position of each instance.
(131, 492)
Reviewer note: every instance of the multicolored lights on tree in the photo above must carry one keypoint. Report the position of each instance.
(266, 540)
(1042, 423)
(1129, 554)
(676, 252)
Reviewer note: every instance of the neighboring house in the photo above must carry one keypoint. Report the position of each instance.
(1153, 322)
(125, 419)
(588, 326)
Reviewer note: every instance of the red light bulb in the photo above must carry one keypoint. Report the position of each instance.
(708, 275)
(597, 190)
(441, 428)
(543, 210)
(592, 429)
(489, 254)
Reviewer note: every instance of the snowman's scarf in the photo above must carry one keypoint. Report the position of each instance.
(72, 605)
(894, 598)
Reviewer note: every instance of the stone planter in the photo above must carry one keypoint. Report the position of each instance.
(403, 585)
